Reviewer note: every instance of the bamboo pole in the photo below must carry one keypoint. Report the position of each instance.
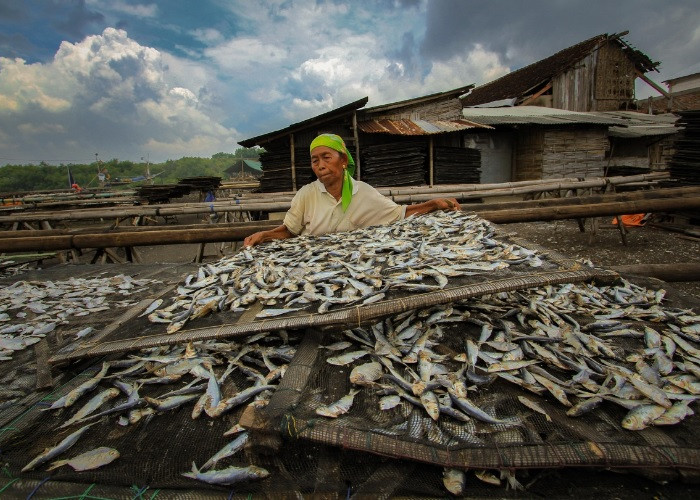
(213, 233)
(270, 206)
(685, 272)
(129, 229)
(593, 210)
(586, 200)
(209, 234)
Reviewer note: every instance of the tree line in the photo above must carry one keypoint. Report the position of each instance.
(49, 177)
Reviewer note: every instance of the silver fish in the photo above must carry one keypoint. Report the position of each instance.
(230, 449)
(230, 475)
(339, 407)
(89, 460)
(50, 453)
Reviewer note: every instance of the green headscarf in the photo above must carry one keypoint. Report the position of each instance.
(335, 142)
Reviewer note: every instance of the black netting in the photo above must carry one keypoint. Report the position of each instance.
(367, 450)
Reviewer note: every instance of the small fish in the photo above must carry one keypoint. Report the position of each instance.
(366, 374)
(639, 418)
(92, 405)
(347, 358)
(534, 406)
(584, 406)
(389, 402)
(339, 407)
(89, 460)
(84, 332)
(231, 475)
(270, 313)
(230, 449)
(154, 305)
(510, 365)
(50, 453)
(337, 346)
(487, 477)
(675, 414)
(453, 480)
(235, 429)
(171, 402)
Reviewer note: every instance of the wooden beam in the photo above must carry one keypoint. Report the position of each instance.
(536, 95)
(294, 167)
(652, 84)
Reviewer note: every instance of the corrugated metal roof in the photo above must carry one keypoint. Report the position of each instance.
(254, 164)
(537, 115)
(641, 131)
(641, 124)
(417, 127)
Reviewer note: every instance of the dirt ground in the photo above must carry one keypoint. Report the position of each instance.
(645, 245)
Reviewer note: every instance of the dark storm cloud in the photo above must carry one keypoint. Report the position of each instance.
(11, 10)
(15, 45)
(73, 18)
(522, 32)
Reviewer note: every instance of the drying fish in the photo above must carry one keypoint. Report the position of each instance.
(453, 480)
(366, 374)
(640, 417)
(347, 358)
(89, 460)
(231, 475)
(230, 449)
(50, 453)
(340, 407)
(534, 406)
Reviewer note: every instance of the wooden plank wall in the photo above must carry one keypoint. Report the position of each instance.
(449, 109)
(660, 153)
(573, 89)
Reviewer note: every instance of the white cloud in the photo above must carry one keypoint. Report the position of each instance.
(208, 35)
(139, 10)
(112, 94)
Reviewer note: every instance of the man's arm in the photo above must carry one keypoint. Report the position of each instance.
(278, 233)
(432, 205)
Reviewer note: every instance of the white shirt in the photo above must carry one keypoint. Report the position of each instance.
(315, 211)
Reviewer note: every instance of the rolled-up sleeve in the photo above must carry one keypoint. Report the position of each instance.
(294, 218)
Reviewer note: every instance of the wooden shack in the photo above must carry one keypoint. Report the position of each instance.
(597, 74)
(543, 142)
(412, 142)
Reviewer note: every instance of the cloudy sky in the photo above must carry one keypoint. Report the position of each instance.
(164, 79)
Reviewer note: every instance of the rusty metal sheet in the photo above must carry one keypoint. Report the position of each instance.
(417, 127)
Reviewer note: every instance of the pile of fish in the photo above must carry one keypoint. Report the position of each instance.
(31, 309)
(341, 269)
(9, 268)
(214, 378)
(580, 344)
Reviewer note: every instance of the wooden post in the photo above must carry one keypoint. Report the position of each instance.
(622, 229)
(200, 254)
(536, 95)
(431, 165)
(357, 146)
(652, 84)
(291, 154)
